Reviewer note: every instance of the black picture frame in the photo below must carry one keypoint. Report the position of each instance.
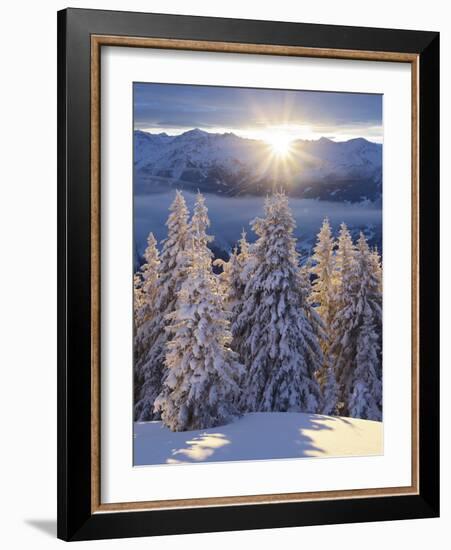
(76, 521)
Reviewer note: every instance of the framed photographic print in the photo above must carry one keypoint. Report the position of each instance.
(248, 274)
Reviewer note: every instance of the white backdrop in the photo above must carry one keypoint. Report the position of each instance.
(122, 483)
(28, 274)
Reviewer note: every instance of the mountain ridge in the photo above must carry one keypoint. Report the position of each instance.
(231, 165)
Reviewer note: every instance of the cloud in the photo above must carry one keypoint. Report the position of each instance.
(169, 106)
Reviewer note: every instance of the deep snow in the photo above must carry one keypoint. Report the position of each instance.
(258, 436)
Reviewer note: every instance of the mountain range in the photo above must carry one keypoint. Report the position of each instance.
(230, 165)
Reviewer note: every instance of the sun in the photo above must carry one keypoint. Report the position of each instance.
(280, 143)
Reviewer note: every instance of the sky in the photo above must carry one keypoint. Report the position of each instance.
(257, 113)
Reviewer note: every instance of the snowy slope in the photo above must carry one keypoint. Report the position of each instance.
(227, 164)
(258, 436)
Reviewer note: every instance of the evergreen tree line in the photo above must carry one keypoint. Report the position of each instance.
(266, 334)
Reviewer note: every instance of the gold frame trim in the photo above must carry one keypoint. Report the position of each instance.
(97, 41)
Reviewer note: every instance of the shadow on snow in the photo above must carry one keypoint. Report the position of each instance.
(257, 436)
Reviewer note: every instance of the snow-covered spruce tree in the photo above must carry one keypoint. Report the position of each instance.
(233, 279)
(341, 348)
(368, 313)
(171, 273)
(377, 267)
(235, 274)
(240, 275)
(146, 288)
(365, 400)
(201, 387)
(360, 311)
(137, 350)
(323, 286)
(377, 271)
(323, 297)
(145, 291)
(229, 269)
(330, 390)
(244, 259)
(279, 339)
(137, 299)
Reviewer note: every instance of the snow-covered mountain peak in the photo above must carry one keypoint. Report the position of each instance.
(231, 165)
(194, 133)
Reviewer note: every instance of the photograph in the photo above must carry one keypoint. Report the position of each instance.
(248, 273)
(257, 274)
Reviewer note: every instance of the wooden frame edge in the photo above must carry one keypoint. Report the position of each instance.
(229, 47)
(415, 272)
(255, 499)
(249, 48)
(95, 276)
